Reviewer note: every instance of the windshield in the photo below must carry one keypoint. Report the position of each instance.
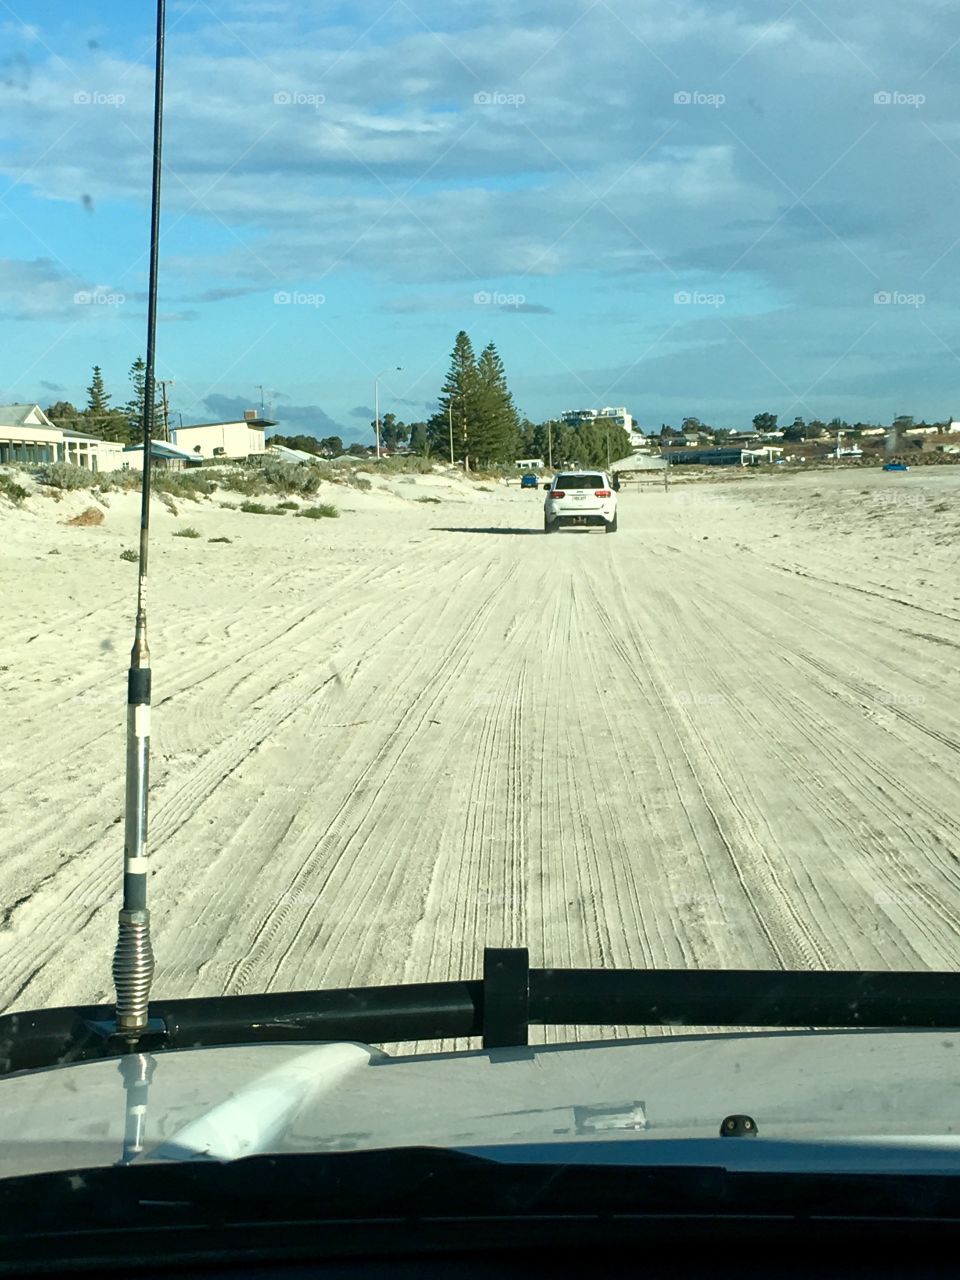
(578, 482)
(695, 261)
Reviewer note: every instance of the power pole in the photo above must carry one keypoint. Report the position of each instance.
(164, 383)
(450, 417)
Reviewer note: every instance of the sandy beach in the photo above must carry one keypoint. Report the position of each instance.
(728, 736)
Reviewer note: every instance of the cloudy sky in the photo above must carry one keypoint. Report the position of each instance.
(690, 209)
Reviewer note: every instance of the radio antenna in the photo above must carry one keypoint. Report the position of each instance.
(133, 961)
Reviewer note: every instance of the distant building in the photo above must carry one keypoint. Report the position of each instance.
(529, 464)
(27, 435)
(226, 440)
(574, 417)
(286, 454)
(165, 456)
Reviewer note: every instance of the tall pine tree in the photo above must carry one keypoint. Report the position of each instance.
(98, 418)
(498, 424)
(459, 403)
(476, 399)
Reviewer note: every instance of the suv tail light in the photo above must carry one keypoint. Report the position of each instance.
(603, 493)
(558, 493)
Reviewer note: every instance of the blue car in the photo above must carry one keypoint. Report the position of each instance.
(529, 482)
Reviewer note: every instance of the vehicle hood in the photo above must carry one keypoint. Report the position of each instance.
(227, 1102)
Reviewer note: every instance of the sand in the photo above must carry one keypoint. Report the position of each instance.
(727, 736)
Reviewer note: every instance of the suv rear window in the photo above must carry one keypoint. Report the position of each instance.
(578, 482)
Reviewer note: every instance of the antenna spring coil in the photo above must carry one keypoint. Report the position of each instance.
(133, 966)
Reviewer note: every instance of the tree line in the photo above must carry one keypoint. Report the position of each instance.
(477, 423)
(100, 418)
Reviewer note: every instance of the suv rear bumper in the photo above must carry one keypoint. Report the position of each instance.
(594, 518)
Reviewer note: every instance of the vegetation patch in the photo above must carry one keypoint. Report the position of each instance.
(64, 475)
(424, 498)
(324, 510)
(219, 539)
(12, 490)
(132, 556)
(189, 532)
(258, 509)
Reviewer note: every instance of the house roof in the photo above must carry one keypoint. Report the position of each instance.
(159, 449)
(259, 423)
(15, 415)
(297, 455)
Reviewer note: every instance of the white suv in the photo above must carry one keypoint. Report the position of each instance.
(580, 498)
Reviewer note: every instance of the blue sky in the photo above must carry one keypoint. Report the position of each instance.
(690, 209)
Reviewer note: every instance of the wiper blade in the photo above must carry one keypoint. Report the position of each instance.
(500, 1009)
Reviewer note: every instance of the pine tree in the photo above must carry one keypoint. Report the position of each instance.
(134, 407)
(459, 398)
(98, 402)
(498, 423)
(98, 419)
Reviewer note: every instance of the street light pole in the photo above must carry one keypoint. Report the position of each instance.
(450, 417)
(376, 398)
(550, 445)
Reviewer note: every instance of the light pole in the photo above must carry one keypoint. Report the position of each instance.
(376, 397)
(450, 419)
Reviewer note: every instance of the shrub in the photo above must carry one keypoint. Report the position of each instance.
(426, 499)
(360, 482)
(64, 475)
(189, 532)
(317, 513)
(288, 506)
(258, 509)
(132, 556)
(109, 481)
(404, 463)
(182, 484)
(219, 539)
(10, 489)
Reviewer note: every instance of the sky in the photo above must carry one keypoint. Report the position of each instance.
(708, 210)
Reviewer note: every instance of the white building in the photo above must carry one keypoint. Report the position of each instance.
(226, 440)
(162, 455)
(286, 454)
(619, 415)
(27, 435)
